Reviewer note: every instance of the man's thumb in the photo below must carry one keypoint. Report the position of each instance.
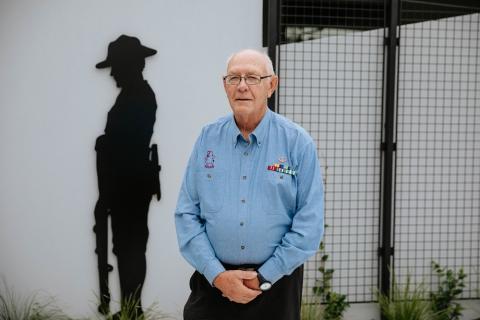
(248, 274)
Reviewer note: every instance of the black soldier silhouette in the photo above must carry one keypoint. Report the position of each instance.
(128, 172)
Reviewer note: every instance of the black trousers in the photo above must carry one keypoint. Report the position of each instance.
(281, 302)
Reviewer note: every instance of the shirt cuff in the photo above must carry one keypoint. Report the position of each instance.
(212, 270)
(270, 271)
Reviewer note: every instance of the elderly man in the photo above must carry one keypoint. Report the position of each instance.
(250, 209)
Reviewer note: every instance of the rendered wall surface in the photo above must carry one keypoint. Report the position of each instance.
(53, 105)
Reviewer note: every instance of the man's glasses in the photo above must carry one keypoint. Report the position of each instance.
(249, 79)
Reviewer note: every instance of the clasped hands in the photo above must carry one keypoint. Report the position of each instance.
(239, 286)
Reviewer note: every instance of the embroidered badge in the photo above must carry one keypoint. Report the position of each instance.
(282, 168)
(210, 160)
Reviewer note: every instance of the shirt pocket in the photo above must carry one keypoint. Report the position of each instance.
(279, 194)
(211, 188)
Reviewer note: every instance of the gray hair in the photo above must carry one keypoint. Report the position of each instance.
(268, 61)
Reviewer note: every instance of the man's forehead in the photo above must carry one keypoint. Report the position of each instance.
(248, 61)
(245, 67)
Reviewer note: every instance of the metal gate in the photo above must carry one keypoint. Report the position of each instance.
(389, 91)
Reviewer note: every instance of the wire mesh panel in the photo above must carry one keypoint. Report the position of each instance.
(331, 73)
(437, 206)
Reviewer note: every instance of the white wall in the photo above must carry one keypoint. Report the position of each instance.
(53, 104)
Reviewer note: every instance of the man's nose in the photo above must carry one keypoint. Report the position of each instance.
(242, 85)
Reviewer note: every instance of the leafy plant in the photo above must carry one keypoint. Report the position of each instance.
(15, 307)
(334, 303)
(450, 287)
(407, 303)
(324, 285)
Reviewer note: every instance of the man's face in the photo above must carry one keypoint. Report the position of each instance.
(249, 100)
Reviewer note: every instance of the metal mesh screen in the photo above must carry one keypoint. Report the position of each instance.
(437, 206)
(331, 67)
(331, 73)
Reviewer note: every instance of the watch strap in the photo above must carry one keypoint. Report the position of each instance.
(264, 284)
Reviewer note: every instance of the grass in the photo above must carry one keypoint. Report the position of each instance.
(15, 307)
(129, 310)
(407, 303)
(312, 309)
(36, 307)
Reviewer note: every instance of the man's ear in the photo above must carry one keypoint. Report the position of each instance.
(273, 85)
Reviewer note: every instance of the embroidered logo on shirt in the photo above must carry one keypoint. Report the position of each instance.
(282, 159)
(282, 169)
(210, 160)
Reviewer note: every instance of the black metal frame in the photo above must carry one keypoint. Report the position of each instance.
(388, 145)
(271, 13)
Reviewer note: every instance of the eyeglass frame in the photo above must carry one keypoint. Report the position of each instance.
(260, 78)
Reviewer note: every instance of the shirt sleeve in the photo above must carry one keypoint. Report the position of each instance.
(194, 244)
(303, 238)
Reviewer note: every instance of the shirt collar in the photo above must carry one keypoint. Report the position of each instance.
(258, 135)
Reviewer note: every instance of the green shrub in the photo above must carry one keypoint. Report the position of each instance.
(450, 287)
(334, 304)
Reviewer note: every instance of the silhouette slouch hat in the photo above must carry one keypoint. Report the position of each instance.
(124, 50)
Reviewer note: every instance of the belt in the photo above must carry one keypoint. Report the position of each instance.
(249, 267)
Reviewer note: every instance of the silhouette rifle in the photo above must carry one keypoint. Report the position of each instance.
(102, 211)
(156, 168)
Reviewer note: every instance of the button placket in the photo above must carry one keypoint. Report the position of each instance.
(245, 154)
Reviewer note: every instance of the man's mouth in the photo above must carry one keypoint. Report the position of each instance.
(243, 99)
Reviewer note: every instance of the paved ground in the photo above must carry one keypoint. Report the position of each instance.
(369, 311)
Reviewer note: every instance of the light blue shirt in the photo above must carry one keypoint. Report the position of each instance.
(251, 203)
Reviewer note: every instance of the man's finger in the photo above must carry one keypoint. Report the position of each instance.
(243, 295)
(247, 274)
(248, 294)
(248, 298)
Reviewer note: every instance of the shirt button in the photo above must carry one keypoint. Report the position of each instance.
(245, 153)
(242, 247)
(241, 223)
(243, 200)
(244, 177)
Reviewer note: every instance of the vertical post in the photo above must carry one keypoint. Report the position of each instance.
(273, 41)
(388, 145)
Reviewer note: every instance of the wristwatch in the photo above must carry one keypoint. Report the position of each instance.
(265, 285)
